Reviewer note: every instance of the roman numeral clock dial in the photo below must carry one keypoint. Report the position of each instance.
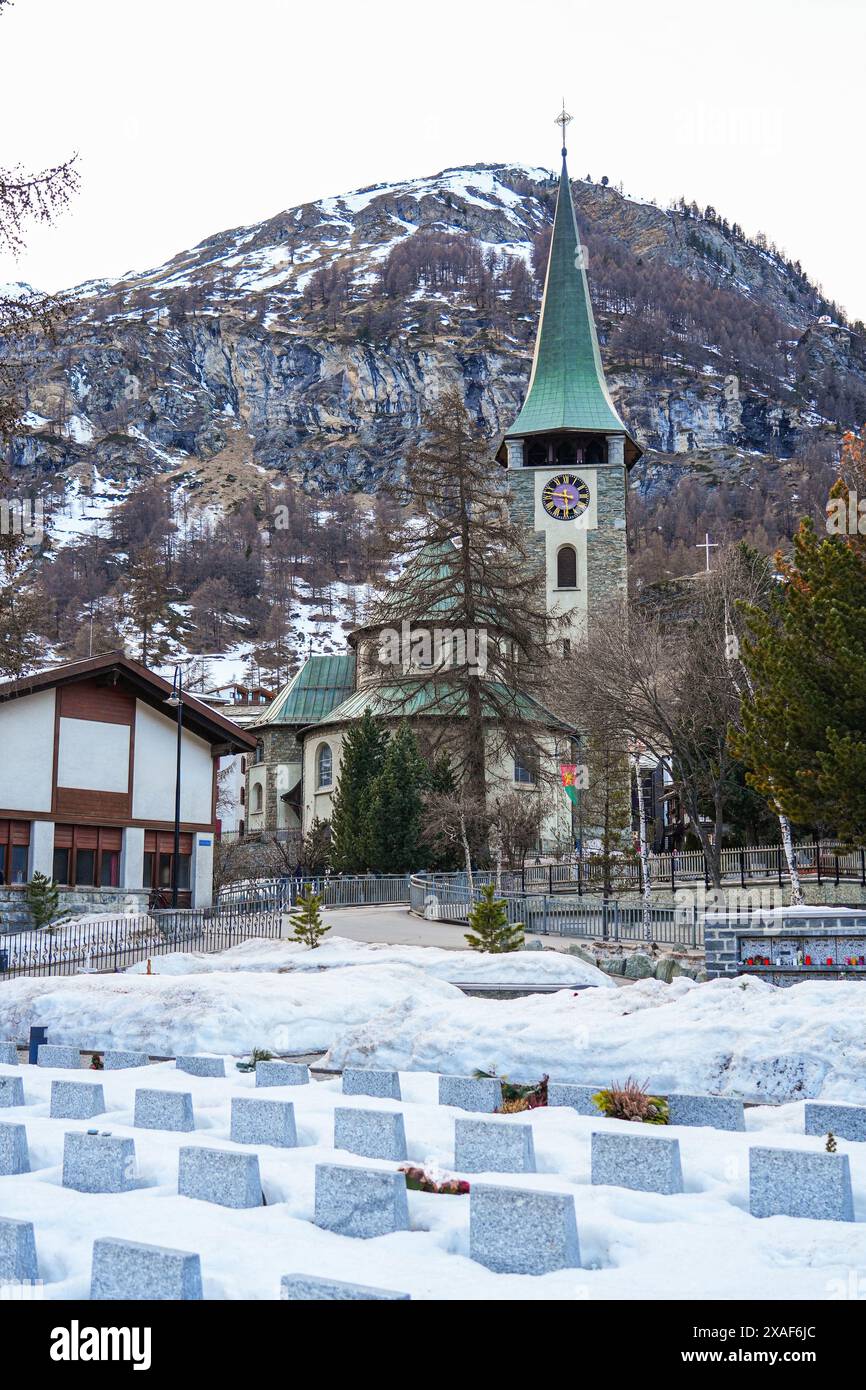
(565, 497)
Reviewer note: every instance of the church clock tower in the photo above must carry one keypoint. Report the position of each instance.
(568, 451)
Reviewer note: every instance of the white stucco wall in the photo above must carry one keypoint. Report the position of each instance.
(318, 802)
(41, 858)
(154, 773)
(27, 752)
(93, 756)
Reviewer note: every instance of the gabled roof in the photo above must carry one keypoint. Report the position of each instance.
(413, 697)
(567, 389)
(117, 668)
(321, 683)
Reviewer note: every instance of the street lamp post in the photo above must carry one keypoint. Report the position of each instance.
(175, 699)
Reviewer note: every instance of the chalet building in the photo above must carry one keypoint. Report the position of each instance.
(87, 785)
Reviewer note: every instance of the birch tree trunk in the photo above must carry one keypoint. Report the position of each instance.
(644, 853)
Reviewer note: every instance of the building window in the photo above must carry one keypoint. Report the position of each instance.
(325, 765)
(87, 856)
(14, 850)
(524, 768)
(566, 567)
(158, 859)
(260, 752)
(258, 796)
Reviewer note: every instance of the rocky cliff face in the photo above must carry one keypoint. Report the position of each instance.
(278, 348)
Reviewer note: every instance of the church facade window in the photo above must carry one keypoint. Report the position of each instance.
(525, 774)
(566, 567)
(325, 765)
(258, 796)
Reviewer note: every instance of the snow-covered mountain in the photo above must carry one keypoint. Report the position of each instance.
(306, 346)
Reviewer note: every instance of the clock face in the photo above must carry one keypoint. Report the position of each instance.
(565, 497)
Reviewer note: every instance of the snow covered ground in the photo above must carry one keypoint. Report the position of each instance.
(397, 1006)
(701, 1244)
(516, 967)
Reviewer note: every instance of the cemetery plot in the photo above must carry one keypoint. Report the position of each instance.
(163, 1213)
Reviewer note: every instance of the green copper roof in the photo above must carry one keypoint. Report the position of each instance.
(410, 698)
(321, 683)
(567, 389)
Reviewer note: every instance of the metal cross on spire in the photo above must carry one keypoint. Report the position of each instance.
(563, 119)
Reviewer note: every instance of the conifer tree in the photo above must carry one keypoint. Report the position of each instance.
(316, 847)
(363, 756)
(42, 897)
(803, 734)
(490, 928)
(395, 810)
(306, 920)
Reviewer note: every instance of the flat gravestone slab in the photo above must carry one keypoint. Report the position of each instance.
(18, 1262)
(76, 1100)
(164, 1110)
(99, 1163)
(579, 1098)
(282, 1074)
(788, 1182)
(513, 1231)
(643, 1162)
(845, 1121)
(480, 1093)
(11, 1092)
(366, 1081)
(220, 1176)
(8, 1054)
(264, 1122)
(122, 1061)
(712, 1112)
(14, 1153)
(309, 1287)
(360, 1202)
(370, 1133)
(201, 1066)
(126, 1269)
(52, 1055)
(493, 1146)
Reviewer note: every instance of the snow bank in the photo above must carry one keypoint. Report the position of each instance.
(736, 1037)
(164, 1015)
(336, 952)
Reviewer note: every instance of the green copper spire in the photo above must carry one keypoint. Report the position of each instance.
(567, 389)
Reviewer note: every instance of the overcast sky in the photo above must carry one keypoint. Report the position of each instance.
(192, 116)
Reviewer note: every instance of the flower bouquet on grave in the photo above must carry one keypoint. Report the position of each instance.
(429, 1180)
(631, 1101)
(258, 1054)
(517, 1096)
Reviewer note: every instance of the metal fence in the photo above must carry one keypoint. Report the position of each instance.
(439, 900)
(113, 943)
(361, 890)
(824, 862)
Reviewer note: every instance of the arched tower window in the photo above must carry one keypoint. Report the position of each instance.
(566, 567)
(258, 796)
(595, 451)
(325, 765)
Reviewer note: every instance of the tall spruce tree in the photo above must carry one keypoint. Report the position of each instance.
(395, 811)
(363, 756)
(475, 573)
(803, 735)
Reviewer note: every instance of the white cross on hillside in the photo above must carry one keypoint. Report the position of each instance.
(707, 545)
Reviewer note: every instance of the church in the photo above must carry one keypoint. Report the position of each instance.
(567, 455)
